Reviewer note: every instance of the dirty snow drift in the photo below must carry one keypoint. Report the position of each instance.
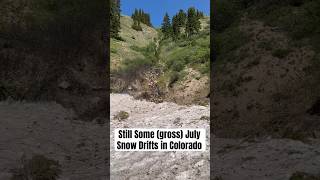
(158, 165)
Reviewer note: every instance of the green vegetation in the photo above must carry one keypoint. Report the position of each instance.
(303, 176)
(178, 22)
(260, 45)
(193, 52)
(133, 66)
(129, 48)
(166, 26)
(114, 18)
(190, 21)
(300, 19)
(136, 25)
(44, 23)
(122, 115)
(141, 16)
(228, 36)
(217, 178)
(184, 46)
(37, 168)
(227, 12)
(45, 38)
(226, 44)
(280, 53)
(193, 24)
(178, 53)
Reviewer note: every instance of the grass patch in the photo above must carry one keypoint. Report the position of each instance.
(130, 67)
(227, 42)
(133, 66)
(149, 52)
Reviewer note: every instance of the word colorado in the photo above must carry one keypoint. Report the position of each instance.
(159, 139)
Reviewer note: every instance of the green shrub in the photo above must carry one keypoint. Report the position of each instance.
(173, 77)
(130, 67)
(303, 176)
(227, 42)
(149, 51)
(280, 53)
(299, 18)
(225, 14)
(55, 24)
(122, 115)
(217, 178)
(266, 45)
(37, 168)
(133, 66)
(136, 26)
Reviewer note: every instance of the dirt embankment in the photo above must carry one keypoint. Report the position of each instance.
(267, 88)
(144, 84)
(62, 61)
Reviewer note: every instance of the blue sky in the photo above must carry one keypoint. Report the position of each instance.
(157, 8)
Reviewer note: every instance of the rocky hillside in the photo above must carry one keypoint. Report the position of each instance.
(266, 77)
(146, 66)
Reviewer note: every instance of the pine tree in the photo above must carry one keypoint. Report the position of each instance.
(200, 14)
(141, 16)
(114, 18)
(148, 21)
(134, 16)
(193, 23)
(182, 18)
(166, 26)
(175, 27)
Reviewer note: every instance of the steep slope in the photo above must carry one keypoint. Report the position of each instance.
(264, 80)
(123, 50)
(61, 61)
(146, 66)
(132, 55)
(186, 62)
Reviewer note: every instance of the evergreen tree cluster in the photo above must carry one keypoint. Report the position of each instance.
(189, 20)
(166, 26)
(115, 18)
(141, 16)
